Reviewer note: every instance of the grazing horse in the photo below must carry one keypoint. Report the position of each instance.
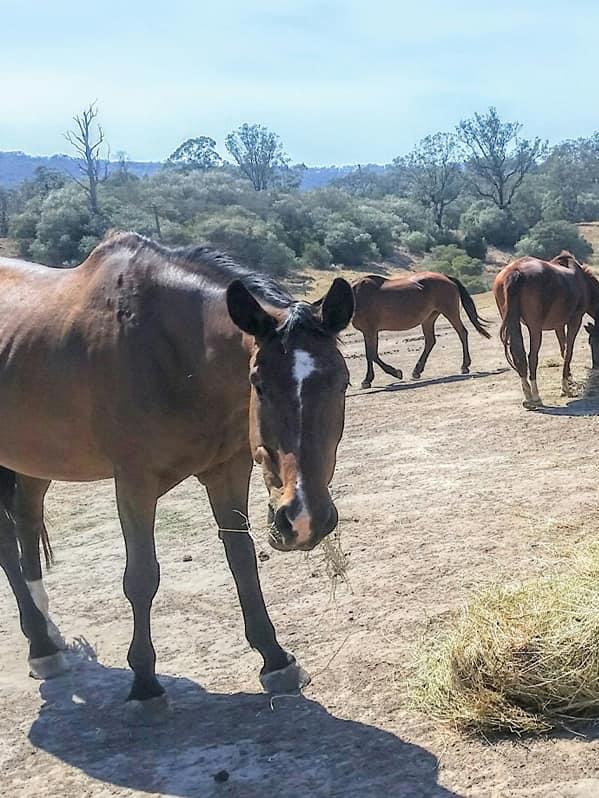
(405, 301)
(544, 295)
(148, 365)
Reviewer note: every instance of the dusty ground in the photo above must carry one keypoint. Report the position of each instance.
(442, 485)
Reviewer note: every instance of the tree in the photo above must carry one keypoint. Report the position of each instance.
(87, 140)
(258, 153)
(498, 160)
(434, 173)
(198, 153)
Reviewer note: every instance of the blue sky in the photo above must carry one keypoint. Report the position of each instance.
(341, 82)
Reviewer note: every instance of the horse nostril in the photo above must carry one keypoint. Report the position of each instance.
(282, 522)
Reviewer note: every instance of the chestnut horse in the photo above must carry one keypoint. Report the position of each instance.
(148, 365)
(405, 301)
(544, 295)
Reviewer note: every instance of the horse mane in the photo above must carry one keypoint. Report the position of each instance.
(219, 269)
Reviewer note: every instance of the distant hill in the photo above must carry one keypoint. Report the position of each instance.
(18, 166)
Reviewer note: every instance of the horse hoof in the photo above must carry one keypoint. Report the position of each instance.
(151, 712)
(465, 370)
(398, 374)
(416, 375)
(285, 680)
(365, 384)
(48, 667)
(532, 404)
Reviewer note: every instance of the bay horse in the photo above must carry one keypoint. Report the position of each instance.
(544, 295)
(405, 301)
(148, 365)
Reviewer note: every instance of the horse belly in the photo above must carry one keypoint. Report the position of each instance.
(401, 311)
(47, 450)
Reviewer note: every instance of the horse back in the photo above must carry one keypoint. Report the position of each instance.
(402, 301)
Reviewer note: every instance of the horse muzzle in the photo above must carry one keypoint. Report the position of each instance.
(292, 531)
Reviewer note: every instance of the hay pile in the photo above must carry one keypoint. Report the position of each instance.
(522, 658)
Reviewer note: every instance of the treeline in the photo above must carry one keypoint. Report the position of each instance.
(453, 196)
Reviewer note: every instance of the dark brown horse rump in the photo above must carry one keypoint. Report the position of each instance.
(149, 365)
(543, 295)
(405, 301)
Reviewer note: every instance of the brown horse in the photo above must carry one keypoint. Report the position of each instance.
(405, 301)
(149, 365)
(544, 295)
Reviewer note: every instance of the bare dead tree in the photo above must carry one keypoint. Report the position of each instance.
(87, 139)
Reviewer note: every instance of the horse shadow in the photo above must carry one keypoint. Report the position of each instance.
(587, 404)
(408, 386)
(217, 744)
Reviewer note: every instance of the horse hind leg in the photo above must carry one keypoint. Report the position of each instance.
(533, 362)
(571, 333)
(561, 339)
(30, 527)
(456, 322)
(45, 660)
(428, 329)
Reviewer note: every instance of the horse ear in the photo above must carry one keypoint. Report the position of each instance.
(337, 306)
(247, 313)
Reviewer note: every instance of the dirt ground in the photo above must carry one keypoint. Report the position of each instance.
(442, 485)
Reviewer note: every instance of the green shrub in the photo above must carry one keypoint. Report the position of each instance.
(449, 259)
(475, 245)
(587, 208)
(416, 241)
(547, 239)
(497, 227)
(317, 256)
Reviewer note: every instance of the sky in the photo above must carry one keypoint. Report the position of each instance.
(353, 81)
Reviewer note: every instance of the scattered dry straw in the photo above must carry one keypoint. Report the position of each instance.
(521, 658)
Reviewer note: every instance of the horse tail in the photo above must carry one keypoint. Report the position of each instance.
(468, 304)
(510, 331)
(8, 489)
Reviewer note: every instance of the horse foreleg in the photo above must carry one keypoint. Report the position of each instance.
(136, 501)
(533, 362)
(393, 372)
(228, 493)
(370, 346)
(571, 332)
(45, 660)
(428, 329)
(29, 519)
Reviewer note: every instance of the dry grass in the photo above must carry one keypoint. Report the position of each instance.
(521, 657)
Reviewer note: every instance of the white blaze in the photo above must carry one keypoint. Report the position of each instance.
(303, 366)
